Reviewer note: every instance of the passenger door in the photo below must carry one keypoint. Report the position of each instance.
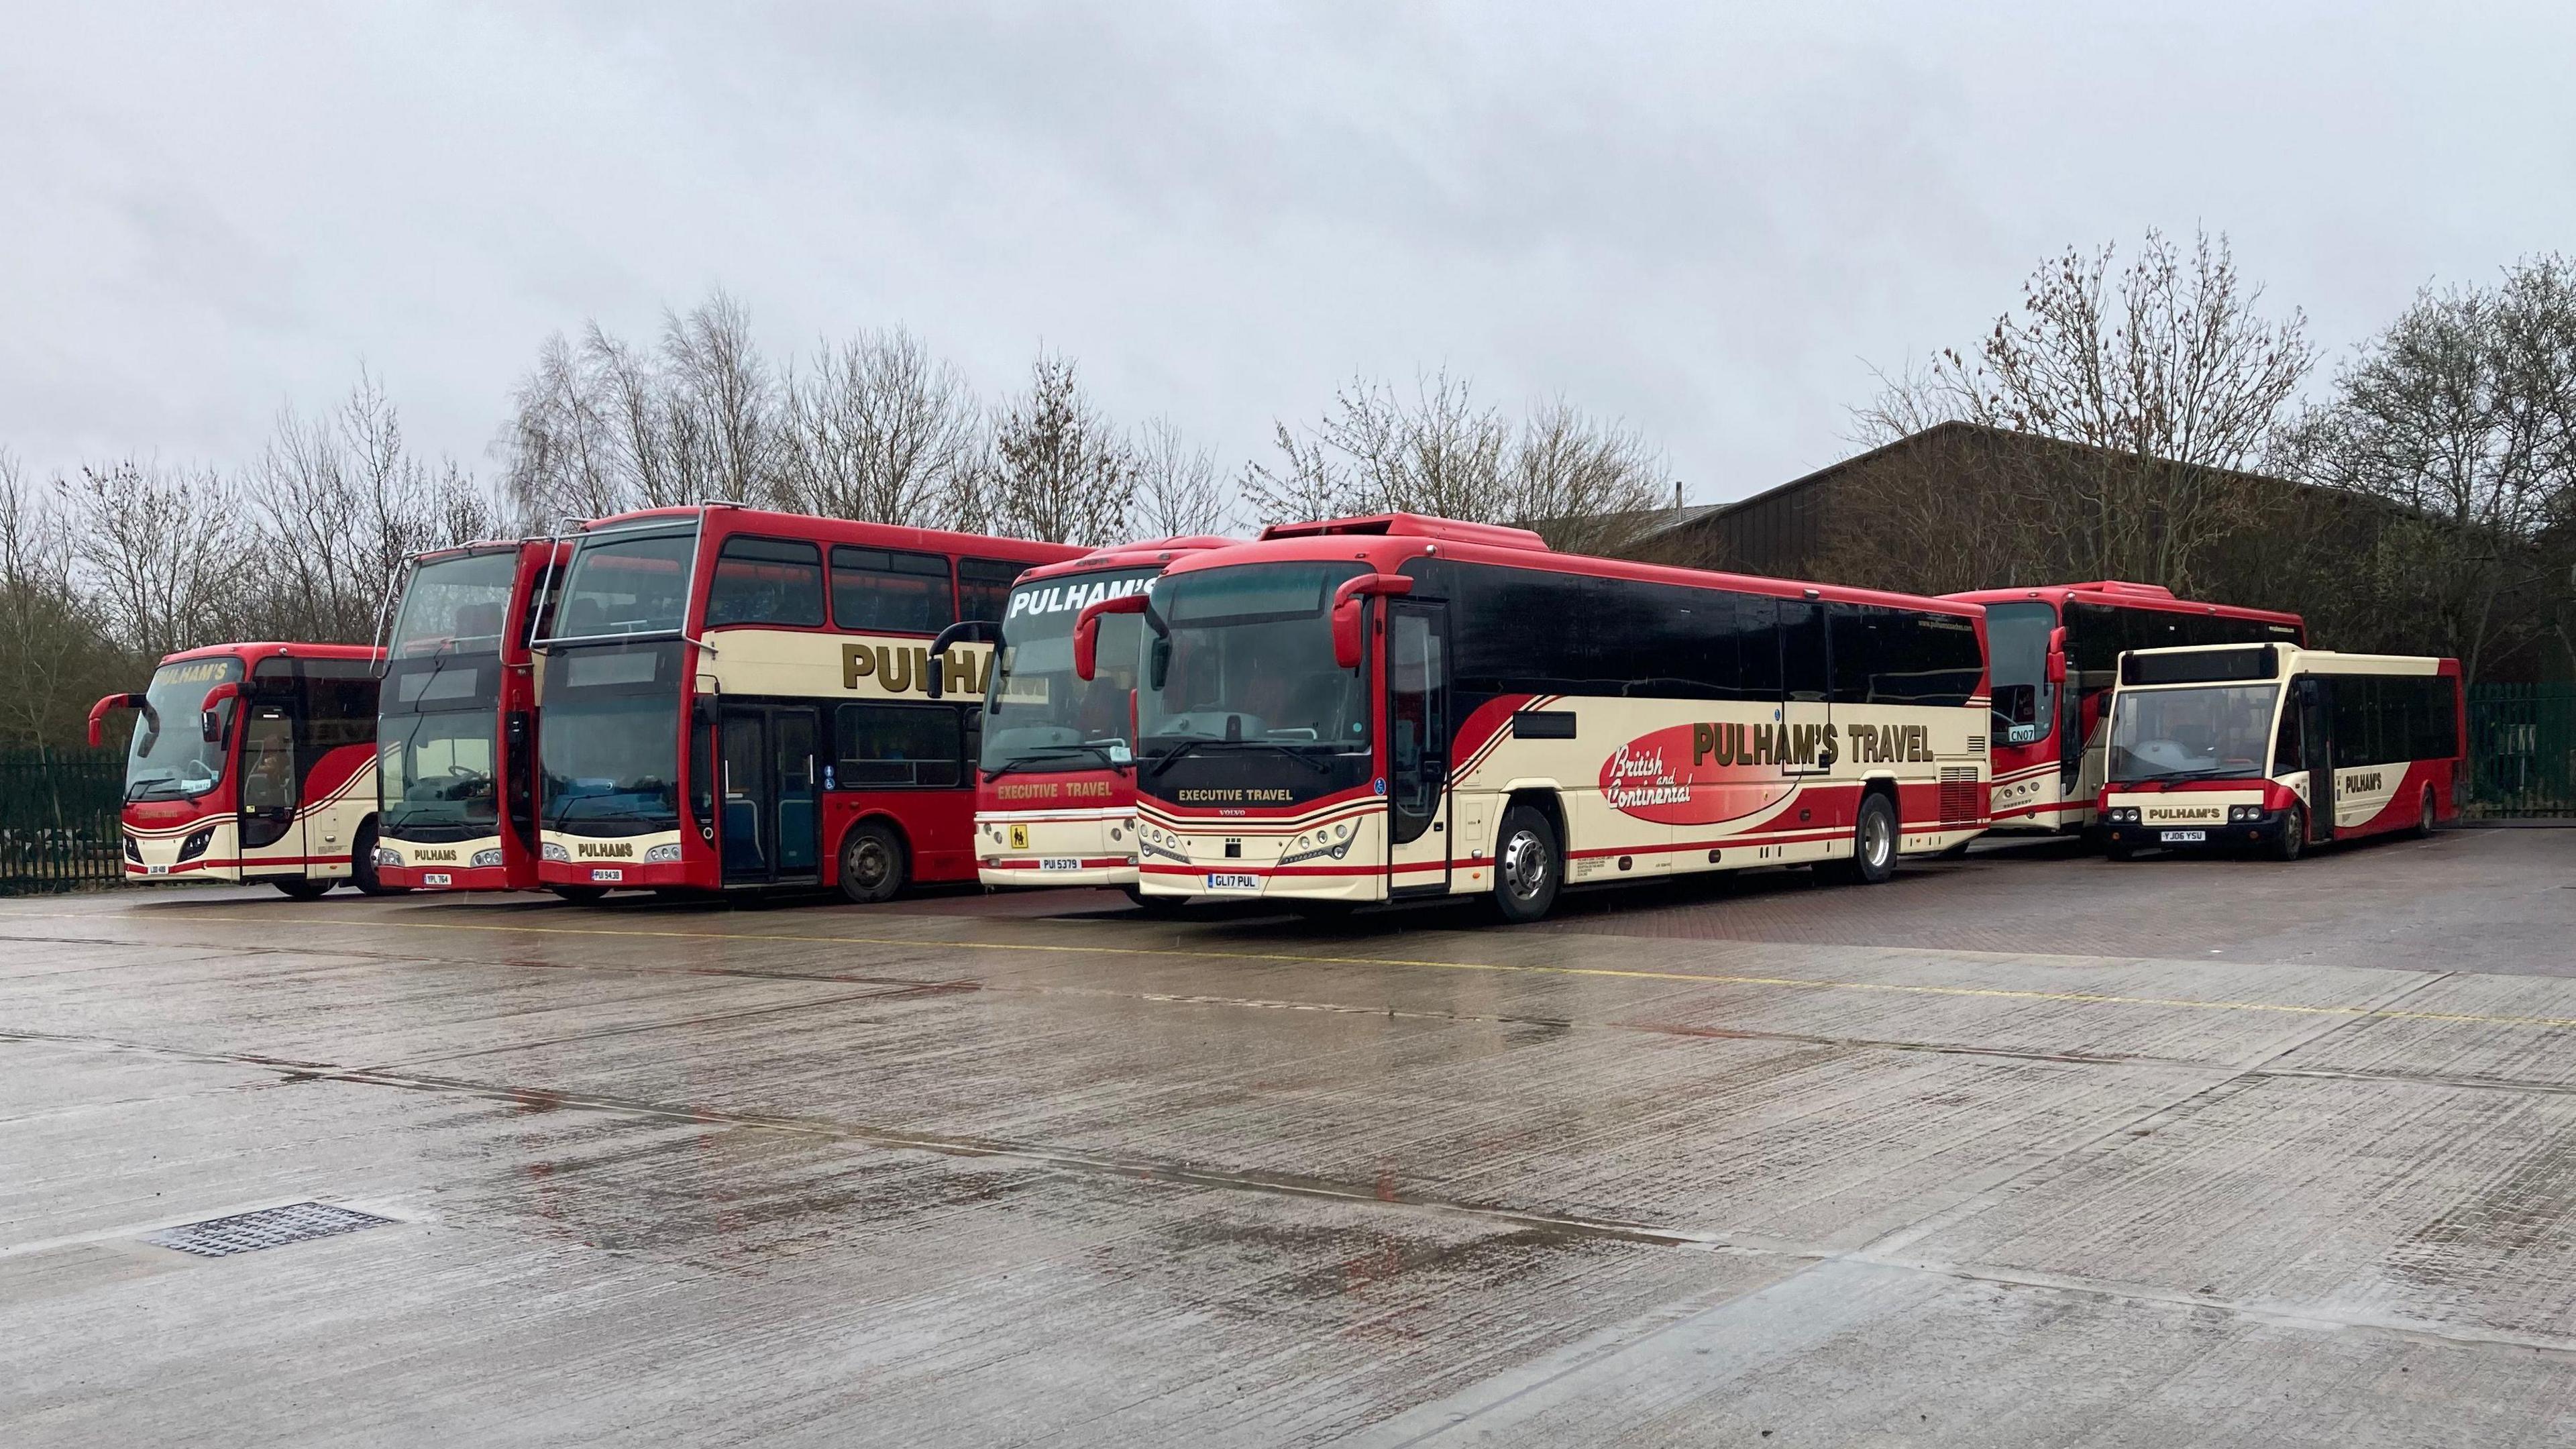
(272, 829)
(2316, 730)
(772, 804)
(1417, 741)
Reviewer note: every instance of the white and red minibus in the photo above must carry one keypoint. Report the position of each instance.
(735, 699)
(1055, 797)
(253, 762)
(2054, 651)
(1394, 707)
(2279, 748)
(456, 732)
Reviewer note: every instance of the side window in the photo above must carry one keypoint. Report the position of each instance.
(880, 745)
(339, 712)
(1856, 631)
(268, 759)
(1803, 673)
(2286, 755)
(1757, 645)
(766, 581)
(889, 591)
(1940, 661)
(984, 587)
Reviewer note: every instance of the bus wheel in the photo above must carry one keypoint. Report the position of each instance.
(871, 864)
(2424, 818)
(1873, 841)
(362, 865)
(304, 889)
(580, 895)
(2294, 834)
(1528, 867)
(1154, 905)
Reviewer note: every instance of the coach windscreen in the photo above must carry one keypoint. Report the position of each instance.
(1241, 686)
(1038, 715)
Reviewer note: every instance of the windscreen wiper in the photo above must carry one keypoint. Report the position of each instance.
(1164, 761)
(1051, 755)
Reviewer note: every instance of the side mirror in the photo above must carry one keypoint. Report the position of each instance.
(211, 719)
(1346, 611)
(971, 631)
(2057, 656)
(106, 706)
(1086, 631)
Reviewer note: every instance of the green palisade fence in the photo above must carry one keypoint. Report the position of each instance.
(58, 820)
(2522, 751)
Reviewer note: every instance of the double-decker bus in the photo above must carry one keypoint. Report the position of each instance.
(738, 699)
(2055, 652)
(1055, 799)
(253, 762)
(1384, 708)
(456, 739)
(2270, 746)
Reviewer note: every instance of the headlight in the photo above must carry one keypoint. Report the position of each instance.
(133, 852)
(667, 853)
(387, 857)
(2244, 812)
(552, 851)
(195, 845)
(485, 857)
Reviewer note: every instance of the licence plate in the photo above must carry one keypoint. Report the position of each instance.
(156, 870)
(2184, 837)
(1234, 882)
(437, 878)
(607, 873)
(1060, 862)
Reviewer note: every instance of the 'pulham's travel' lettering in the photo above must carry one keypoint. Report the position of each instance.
(1063, 598)
(905, 669)
(604, 849)
(1779, 744)
(2358, 783)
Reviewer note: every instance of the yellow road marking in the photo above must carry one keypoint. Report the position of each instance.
(2086, 998)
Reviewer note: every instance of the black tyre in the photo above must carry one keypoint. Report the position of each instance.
(362, 865)
(2424, 817)
(872, 863)
(1873, 842)
(304, 889)
(580, 895)
(2119, 851)
(1153, 905)
(1529, 866)
(2294, 834)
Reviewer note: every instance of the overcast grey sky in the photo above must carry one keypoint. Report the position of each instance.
(1707, 220)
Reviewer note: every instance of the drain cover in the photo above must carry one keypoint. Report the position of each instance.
(267, 1228)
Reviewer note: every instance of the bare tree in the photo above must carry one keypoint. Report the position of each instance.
(561, 442)
(2167, 372)
(1588, 487)
(161, 551)
(722, 401)
(878, 431)
(1058, 471)
(1178, 492)
(51, 648)
(2462, 414)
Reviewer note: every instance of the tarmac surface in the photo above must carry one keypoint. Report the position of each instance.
(2027, 1148)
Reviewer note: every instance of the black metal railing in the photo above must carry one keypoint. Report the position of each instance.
(2522, 751)
(58, 829)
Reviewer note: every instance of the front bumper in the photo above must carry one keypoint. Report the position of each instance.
(2264, 829)
(1027, 872)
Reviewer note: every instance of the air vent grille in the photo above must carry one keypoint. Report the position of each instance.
(1959, 791)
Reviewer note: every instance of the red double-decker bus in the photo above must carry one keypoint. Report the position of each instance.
(1055, 799)
(456, 736)
(736, 699)
(2056, 653)
(253, 762)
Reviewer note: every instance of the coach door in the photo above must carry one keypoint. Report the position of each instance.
(2316, 738)
(272, 831)
(1417, 746)
(773, 802)
(1805, 676)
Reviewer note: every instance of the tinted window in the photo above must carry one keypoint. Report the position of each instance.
(882, 590)
(766, 581)
(1886, 655)
(900, 744)
(984, 586)
(1802, 650)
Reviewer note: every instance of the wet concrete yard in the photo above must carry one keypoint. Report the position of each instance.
(2027, 1148)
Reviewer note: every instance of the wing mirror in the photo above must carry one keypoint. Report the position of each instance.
(971, 631)
(1086, 631)
(210, 716)
(2057, 655)
(108, 705)
(1346, 611)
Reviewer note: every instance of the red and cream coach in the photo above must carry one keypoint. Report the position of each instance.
(2054, 650)
(1055, 801)
(1383, 708)
(253, 762)
(2273, 747)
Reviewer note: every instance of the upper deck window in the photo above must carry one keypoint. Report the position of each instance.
(766, 581)
(628, 583)
(984, 586)
(456, 605)
(890, 591)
